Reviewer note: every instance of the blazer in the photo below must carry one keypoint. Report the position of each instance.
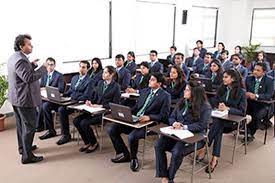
(159, 107)
(23, 81)
(218, 79)
(132, 66)
(170, 59)
(111, 94)
(217, 54)
(95, 77)
(194, 125)
(243, 71)
(227, 64)
(57, 80)
(189, 63)
(157, 67)
(137, 85)
(202, 70)
(176, 94)
(272, 74)
(202, 52)
(124, 78)
(82, 91)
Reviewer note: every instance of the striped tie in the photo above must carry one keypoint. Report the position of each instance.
(78, 82)
(147, 101)
(257, 85)
(105, 86)
(48, 80)
(227, 94)
(185, 107)
(213, 77)
(141, 79)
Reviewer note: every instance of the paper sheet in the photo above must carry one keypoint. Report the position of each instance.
(182, 134)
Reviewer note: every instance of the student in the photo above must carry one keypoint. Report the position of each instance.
(155, 65)
(271, 73)
(107, 91)
(152, 105)
(171, 58)
(130, 64)
(202, 50)
(192, 113)
(52, 78)
(259, 86)
(237, 60)
(221, 47)
(205, 66)
(194, 61)
(261, 58)
(215, 73)
(230, 97)
(238, 50)
(179, 61)
(95, 73)
(175, 84)
(79, 90)
(226, 62)
(124, 75)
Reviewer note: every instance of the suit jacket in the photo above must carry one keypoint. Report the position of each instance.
(132, 66)
(170, 59)
(82, 91)
(157, 67)
(243, 71)
(111, 94)
(272, 74)
(124, 78)
(202, 70)
(57, 81)
(175, 93)
(95, 77)
(217, 54)
(159, 107)
(190, 63)
(227, 64)
(136, 82)
(218, 79)
(194, 125)
(24, 89)
(202, 52)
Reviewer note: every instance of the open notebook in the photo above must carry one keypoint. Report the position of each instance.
(217, 113)
(182, 134)
(88, 108)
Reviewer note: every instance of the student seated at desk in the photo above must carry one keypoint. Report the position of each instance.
(237, 60)
(217, 54)
(238, 50)
(179, 61)
(79, 90)
(175, 84)
(261, 58)
(194, 61)
(130, 63)
(124, 75)
(202, 50)
(231, 97)
(225, 61)
(259, 86)
(192, 113)
(107, 91)
(52, 78)
(171, 58)
(155, 65)
(215, 73)
(205, 66)
(152, 105)
(95, 73)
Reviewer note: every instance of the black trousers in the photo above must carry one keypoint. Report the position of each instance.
(83, 123)
(178, 150)
(25, 125)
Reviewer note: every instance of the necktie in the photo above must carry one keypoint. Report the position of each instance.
(127, 63)
(257, 85)
(92, 74)
(204, 67)
(147, 101)
(185, 107)
(194, 62)
(213, 76)
(105, 86)
(78, 82)
(141, 79)
(227, 94)
(173, 84)
(48, 80)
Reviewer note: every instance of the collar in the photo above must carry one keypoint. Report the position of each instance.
(106, 82)
(154, 91)
(51, 73)
(118, 69)
(260, 79)
(82, 77)
(25, 55)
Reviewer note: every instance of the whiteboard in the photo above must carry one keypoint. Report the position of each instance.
(65, 30)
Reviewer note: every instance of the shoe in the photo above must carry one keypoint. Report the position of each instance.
(34, 147)
(34, 159)
(134, 165)
(64, 139)
(121, 159)
(249, 139)
(211, 169)
(47, 135)
(92, 148)
(262, 125)
(84, 148)
(39, 129)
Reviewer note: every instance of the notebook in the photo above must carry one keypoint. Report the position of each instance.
(182, 134)
(88, 108)
(217, 113)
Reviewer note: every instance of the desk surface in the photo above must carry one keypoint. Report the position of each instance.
(60, 103)
(232, 118)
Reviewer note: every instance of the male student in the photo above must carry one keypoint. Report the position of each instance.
(202, 50)
(155, 65)
(225, 61)
(52, 78)
(179, 61)
(194, 61)
(124, 75)
(171, 58)
(237, 60)
(152, 105)
(204, 67)
(79, 90)
(259, 86)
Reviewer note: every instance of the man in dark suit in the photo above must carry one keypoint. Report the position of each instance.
(24, 95)
(194, 61)
(259, 86)
(237, 60)
(203, 51)
(124, 75)
(152, 105)
(80, 90)
(179, 61)
(205, 66)
(155, 65)
(52, 78)
(171, 58)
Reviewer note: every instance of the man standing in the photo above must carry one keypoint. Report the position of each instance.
(24, 95)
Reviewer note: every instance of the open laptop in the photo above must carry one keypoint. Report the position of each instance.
(122, 113)
(207, 84)
(54, 94)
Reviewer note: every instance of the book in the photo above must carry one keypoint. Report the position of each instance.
(218, 114)
(128, 95)
(182, 134)
(87, 108)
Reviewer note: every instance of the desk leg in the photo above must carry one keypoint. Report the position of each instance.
(194, 162)
(208, 158)
(101, 134)
(265, 134)
(245, 136)
(235, 144)
(143, 150)
(273, 124)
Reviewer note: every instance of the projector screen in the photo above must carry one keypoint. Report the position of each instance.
(65, 30)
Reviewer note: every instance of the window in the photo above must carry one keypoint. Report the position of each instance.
(203, 25)
(263, 26)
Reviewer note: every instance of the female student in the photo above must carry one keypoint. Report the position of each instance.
(217, 53)
(192, 113)
(215, 73)
(231, 97)
(261, 57)
(130, 63)
(107, 91)
(175, 84)
(95, 72)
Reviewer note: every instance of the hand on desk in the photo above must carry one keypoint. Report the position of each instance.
(144, 119)
(177, 125)
(250, 95)
(130, 90)
(223, 107)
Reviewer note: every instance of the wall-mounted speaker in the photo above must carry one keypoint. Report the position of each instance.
(184, 16)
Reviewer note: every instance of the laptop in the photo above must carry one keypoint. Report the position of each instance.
(207, 84)
(54, 94)
(123, 113)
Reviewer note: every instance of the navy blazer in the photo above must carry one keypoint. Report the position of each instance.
(111, 94)
(265, 91)
(159, 107)
(202, 70)
(95, 78)
(57, 81)
(194, 125)
(218, 79)
(82, 91)
(202, 52)
(217, 54)
(170, 59)
(157, 67)
(132, 66)
(237, 105)
(243, 71)
(272, 74)
(176, 93)
(227, 64)
(189, 62)
(136, 82)
(124, 78)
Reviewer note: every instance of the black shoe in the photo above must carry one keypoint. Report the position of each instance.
(121, 159)
(64, 139)
(262, 126)
(211, 169)
(34, 147)
(47, 135)
(83, 149)
(134, 165)
(34, 159)
(249, 139)
(92, 148)
(39, 129)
